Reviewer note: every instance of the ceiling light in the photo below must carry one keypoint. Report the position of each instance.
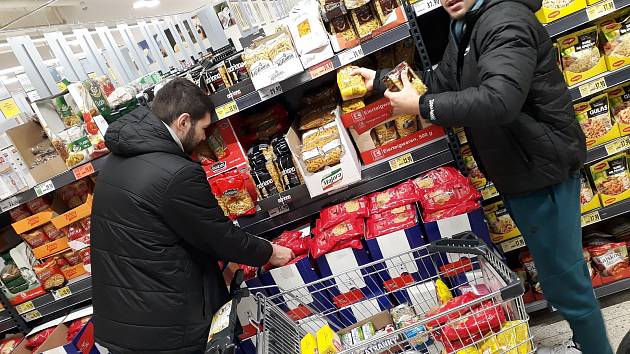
(145, 3)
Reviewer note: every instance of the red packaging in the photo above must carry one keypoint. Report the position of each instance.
(390, 222)
(234, 194)
(8, 345)
(335, 214)
(462, 208)
(52, 232)
(49, 275)
(38, 205)
(451, 304)
(483, 318)
(61, 262)
(86, 224)
(19, 213)
(85, 256)
(355, 243)
(610, 259)
(249, 272)
(444, 188)
(75, 326)
(39, 338)
(326, 240)
(72, 257)
(295, 240)
(402, 194)
(35, 237)
(74, 231)
(82, 187)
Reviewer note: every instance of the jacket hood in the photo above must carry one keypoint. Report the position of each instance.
(140, 132)
(534, 5)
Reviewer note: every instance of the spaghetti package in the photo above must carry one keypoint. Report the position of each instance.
(333, 215)
(400, 195)
(232, 190)
(391, 220)
(350, 86)
(610, 259)
(326, 241)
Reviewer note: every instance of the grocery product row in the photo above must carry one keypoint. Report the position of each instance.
(566, 16)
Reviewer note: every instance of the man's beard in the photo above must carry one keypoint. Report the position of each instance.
(189, 143)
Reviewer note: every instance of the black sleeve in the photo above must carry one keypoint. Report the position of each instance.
(192, 212)
(378, 84)
(506, 64)
(441, 78)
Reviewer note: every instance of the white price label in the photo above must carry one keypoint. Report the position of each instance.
(424, 6)
(270, 91)
(350, 55)
(283, 208)
(600, 9)
(591, 218)
(61, 293)
(401, 161)
(44, 188)
(513, 244)
(592, 87)
(9, 204)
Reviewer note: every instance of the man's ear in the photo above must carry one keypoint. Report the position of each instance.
(183, 121)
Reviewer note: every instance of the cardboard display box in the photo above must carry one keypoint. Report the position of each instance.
(446, 228)
(546, 15)
(224, 131)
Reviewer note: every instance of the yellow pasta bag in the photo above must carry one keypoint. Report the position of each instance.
(350, 86)
(514, 335)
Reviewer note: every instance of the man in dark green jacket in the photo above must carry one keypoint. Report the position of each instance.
(499, 80)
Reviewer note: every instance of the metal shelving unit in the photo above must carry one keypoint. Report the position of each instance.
(52, 303)
(581, 17)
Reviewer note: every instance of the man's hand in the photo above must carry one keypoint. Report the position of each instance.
(280, 256)
(405, 101)
(368, 76)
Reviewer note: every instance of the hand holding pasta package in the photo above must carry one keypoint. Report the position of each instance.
(350, 86)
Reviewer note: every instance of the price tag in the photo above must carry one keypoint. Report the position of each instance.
(270, 91)
(600, 9)
(591, 87)
(25, 307)
(513, 244)
(33, 96)
(350, 55)
(489, 192)
(32, 316)
(423, 6)
(283, 208)
(227, 109)
(9, 108)
(591, 218)
(9, 203)
(44, 188)
(83, 170)
(401, 161)
(463, 139)
(618, 145)
(321, 69)
(61, 293)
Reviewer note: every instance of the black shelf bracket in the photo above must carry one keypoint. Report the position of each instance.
(19, 321)
(414, 29)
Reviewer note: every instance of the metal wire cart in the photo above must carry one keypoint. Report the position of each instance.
(398, 296)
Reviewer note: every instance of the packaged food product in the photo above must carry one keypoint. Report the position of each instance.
(279, 48)
(93, 88)
(586, 192)
(401, 311)
(318, 118)
(346, 340)
(66, 111)
(86, 224)
(73, 231)
(394, 197)
(394, 83)
(317, 138)
(475, 176)
(72, 257)
(611, 176)
(404, 51)
(581, 57)
(38, 205)
(85, 256)
(264, 171)
(314, 160)
(384, 226)
(333, 215)
(350, 86)
(406, 124)
(8, 345)
(357, 335)
(619, 98)
(295, 240)
(610, 259)
(594, 117)
(36, 340)
(499, 220)
(9, 273)
(368, 330)
(485, 317)
(444, 294)
(328, 341)
(615, 38)
(385, 133)
(527, 261)
(49, 275)
(236, 69)
(364, 20)
(353, 4)
(392, 213)
(306, 27)
(289, 175)
(556, 4)
(384, 8)
(308, 344)
(352, 105)
(444, 188)
(232, 195)
(217, 78)
(76, 326)
(325, 240)
(52, 232)
(512, 339)
(35, 237)
(217, 144)
(460, 209)
(341, 26)
(21, 212)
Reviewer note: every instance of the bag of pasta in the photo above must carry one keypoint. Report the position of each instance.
(350, 86)
(612, 179)
(318, 117)
(364, 20)
(581, 57)
(306, 27)
(384, 8)
(232, 191)
(615, 41)
(619, 99)
(318, 138)
(394, 83)
(594, 118)
(341, 27)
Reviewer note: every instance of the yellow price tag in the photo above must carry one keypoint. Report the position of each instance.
(401, 161)
(226, 110)
(489, 192)
(462, 137)
(591, 87)
(513, 244)
(591, 218)
(61, 86)
(9, 108)
(25, 307)
(618, 145)
(600, 9)
(33, 315)
(61, 293)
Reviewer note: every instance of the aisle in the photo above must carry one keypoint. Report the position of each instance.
(549, 329)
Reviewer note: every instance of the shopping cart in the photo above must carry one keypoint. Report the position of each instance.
(495, 317)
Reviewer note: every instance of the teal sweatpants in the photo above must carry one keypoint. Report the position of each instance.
(550, 221)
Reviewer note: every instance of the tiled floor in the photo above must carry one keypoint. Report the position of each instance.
(549, 329)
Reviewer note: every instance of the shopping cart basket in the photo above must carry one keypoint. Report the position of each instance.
(491, 315)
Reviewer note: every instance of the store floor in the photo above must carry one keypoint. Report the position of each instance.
(549, 329)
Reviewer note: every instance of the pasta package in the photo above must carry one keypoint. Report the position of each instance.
(333, 215)
(353, 4)
(581, 57)
(341, 27)
(400, 195)
(385, 133)
(384, 8)
(306, 27)
(391, 222)
(350, 86)
(364, 20)
(406, 124)
(318, 118)
(352, 105)
(394, 83)
(615, 37)
(500, 223)
(233, 194)
(595, 120)
(552, 10)
(619, 99)
(319, 137)
(612, 179)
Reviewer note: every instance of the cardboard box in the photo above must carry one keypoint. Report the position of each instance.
(600, 170)
(332, 177)
(446, 228)
(362, 121)
(500, 223)
(24, 137)
(389, 343)
(57, 246)
(32, 222)
(546, 15)
(364, 309)
(235, 155)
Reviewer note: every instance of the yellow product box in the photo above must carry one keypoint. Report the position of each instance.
(32, 222)
(550, 12)
(580, 55)
(612, 179)
(328, 341)
(615, 42)
(500, 223)
(513, 334)
(589, 200)
(474, 174)
(595, 120)
(619, 98)
(308, 344)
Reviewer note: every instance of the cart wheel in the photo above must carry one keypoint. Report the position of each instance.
(624, 347)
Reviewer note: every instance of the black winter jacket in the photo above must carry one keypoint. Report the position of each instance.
(503, 85)
(157, 235)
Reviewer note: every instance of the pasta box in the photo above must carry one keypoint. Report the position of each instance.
(612, 179)
(595, 119)
(549, 14)
(330, 178)
(576, 64)
(379, 135)
(225, 145)
(446, 228)
(619, 98)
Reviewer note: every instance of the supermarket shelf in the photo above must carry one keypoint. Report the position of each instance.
(243, 95)
(581, 17)
(601, 291)
(374, 178)
(604, 213)
(613, 147)
(424, 6)
(6, 322)
(73, 294)
(600, 83)
(58, 182)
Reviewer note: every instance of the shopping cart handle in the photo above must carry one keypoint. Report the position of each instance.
(465, 242)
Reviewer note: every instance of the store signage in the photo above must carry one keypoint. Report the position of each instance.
(227, 110)
(401, 161)
(618, 145)
(591, 218)
(44, 188)
(350, 55)
(83, 170)
(592, 87)
(600, 9)
(513, 244)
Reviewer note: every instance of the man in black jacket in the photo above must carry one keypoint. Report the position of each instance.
(499, 80)
(158, 233)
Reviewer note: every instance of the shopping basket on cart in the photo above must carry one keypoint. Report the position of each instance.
(486, 315)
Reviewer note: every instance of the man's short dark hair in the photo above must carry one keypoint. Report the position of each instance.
(180, 96)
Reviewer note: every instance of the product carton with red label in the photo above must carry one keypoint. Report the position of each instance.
(225, 145)
(362, 122)
(446, 228)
